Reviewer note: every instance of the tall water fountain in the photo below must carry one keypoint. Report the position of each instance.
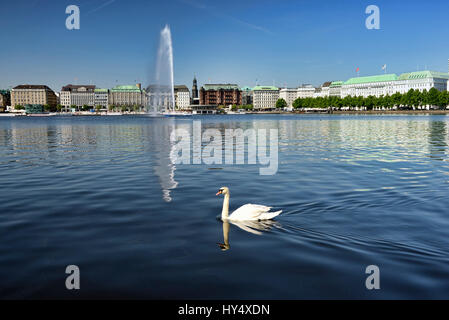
(161, 93)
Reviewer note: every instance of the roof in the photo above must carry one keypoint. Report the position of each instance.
(379, 78)
(127, 88)
(247, 89)
(71, 87)
(326, 84)
(31, 87)
(101, 90)
(423, 75)
(181, 88)
(216, 87)
(336, 84)
(265, 88)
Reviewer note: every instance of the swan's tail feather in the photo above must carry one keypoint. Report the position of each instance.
(270, 215)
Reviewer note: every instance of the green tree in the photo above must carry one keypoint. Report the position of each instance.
(369, 102)
(19, 107)
(298, 103)
(443, 100)
(425, 98)
(281, 104)
(434, 97)
(417, 99)
(396, 99)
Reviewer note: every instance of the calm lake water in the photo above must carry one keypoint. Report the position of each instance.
(101, 193)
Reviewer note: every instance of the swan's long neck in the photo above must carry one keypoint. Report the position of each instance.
(225, 212)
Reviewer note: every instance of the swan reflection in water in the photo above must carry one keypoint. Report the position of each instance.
(253, 227)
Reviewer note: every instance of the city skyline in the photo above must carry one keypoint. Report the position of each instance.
(261, 43)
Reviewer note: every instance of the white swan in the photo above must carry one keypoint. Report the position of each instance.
(249, 212)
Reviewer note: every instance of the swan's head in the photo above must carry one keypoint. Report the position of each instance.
(223, 190)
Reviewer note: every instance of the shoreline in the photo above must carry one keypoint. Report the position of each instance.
(355, 112)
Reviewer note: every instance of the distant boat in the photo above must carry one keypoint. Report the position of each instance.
(176, 114)
(41, 115)
(9, 115)
(112, 114)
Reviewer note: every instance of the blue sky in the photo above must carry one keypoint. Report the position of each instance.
(281, 42)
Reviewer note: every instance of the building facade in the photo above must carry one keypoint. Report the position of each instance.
(195, 95)
(265, 97)
(390, 84)
(422, 80)
(247, 96)
(160, 97)
(101, 97)
(335, 89)
(77, 95)
(129, 95)
(182, 97)
(370, 86)
(5, 99)
(220, 94)
(33, 94)
(306, 91)
(289, 95)
(325, 90)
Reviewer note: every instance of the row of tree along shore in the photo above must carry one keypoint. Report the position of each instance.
(412, 100)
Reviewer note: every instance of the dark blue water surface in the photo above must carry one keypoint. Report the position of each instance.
(102, 194)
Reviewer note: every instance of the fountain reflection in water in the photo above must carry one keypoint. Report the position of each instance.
(163, 167)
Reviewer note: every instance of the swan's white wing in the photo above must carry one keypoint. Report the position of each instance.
(250, 212)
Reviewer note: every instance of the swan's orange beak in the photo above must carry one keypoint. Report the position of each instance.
(219, 192)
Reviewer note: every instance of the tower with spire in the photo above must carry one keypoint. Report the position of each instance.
(195, 98)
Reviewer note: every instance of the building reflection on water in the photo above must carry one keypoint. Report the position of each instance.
(145, 142)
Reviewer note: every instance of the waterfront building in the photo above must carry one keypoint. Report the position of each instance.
(127, 95)
(247, 96)
(370, 86)
(325, 89)
(265, 97)
(390, 84)
(195, 96)
(182, 97)
(5, 99)
(335, 89)
(422, 80)
(77, 95)
(101, 97)
(34, 108)
(220, 94)
(204, 109)
(289, 95)
(306, 91)
(160, 97)
(317, 92)
(33, 94)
